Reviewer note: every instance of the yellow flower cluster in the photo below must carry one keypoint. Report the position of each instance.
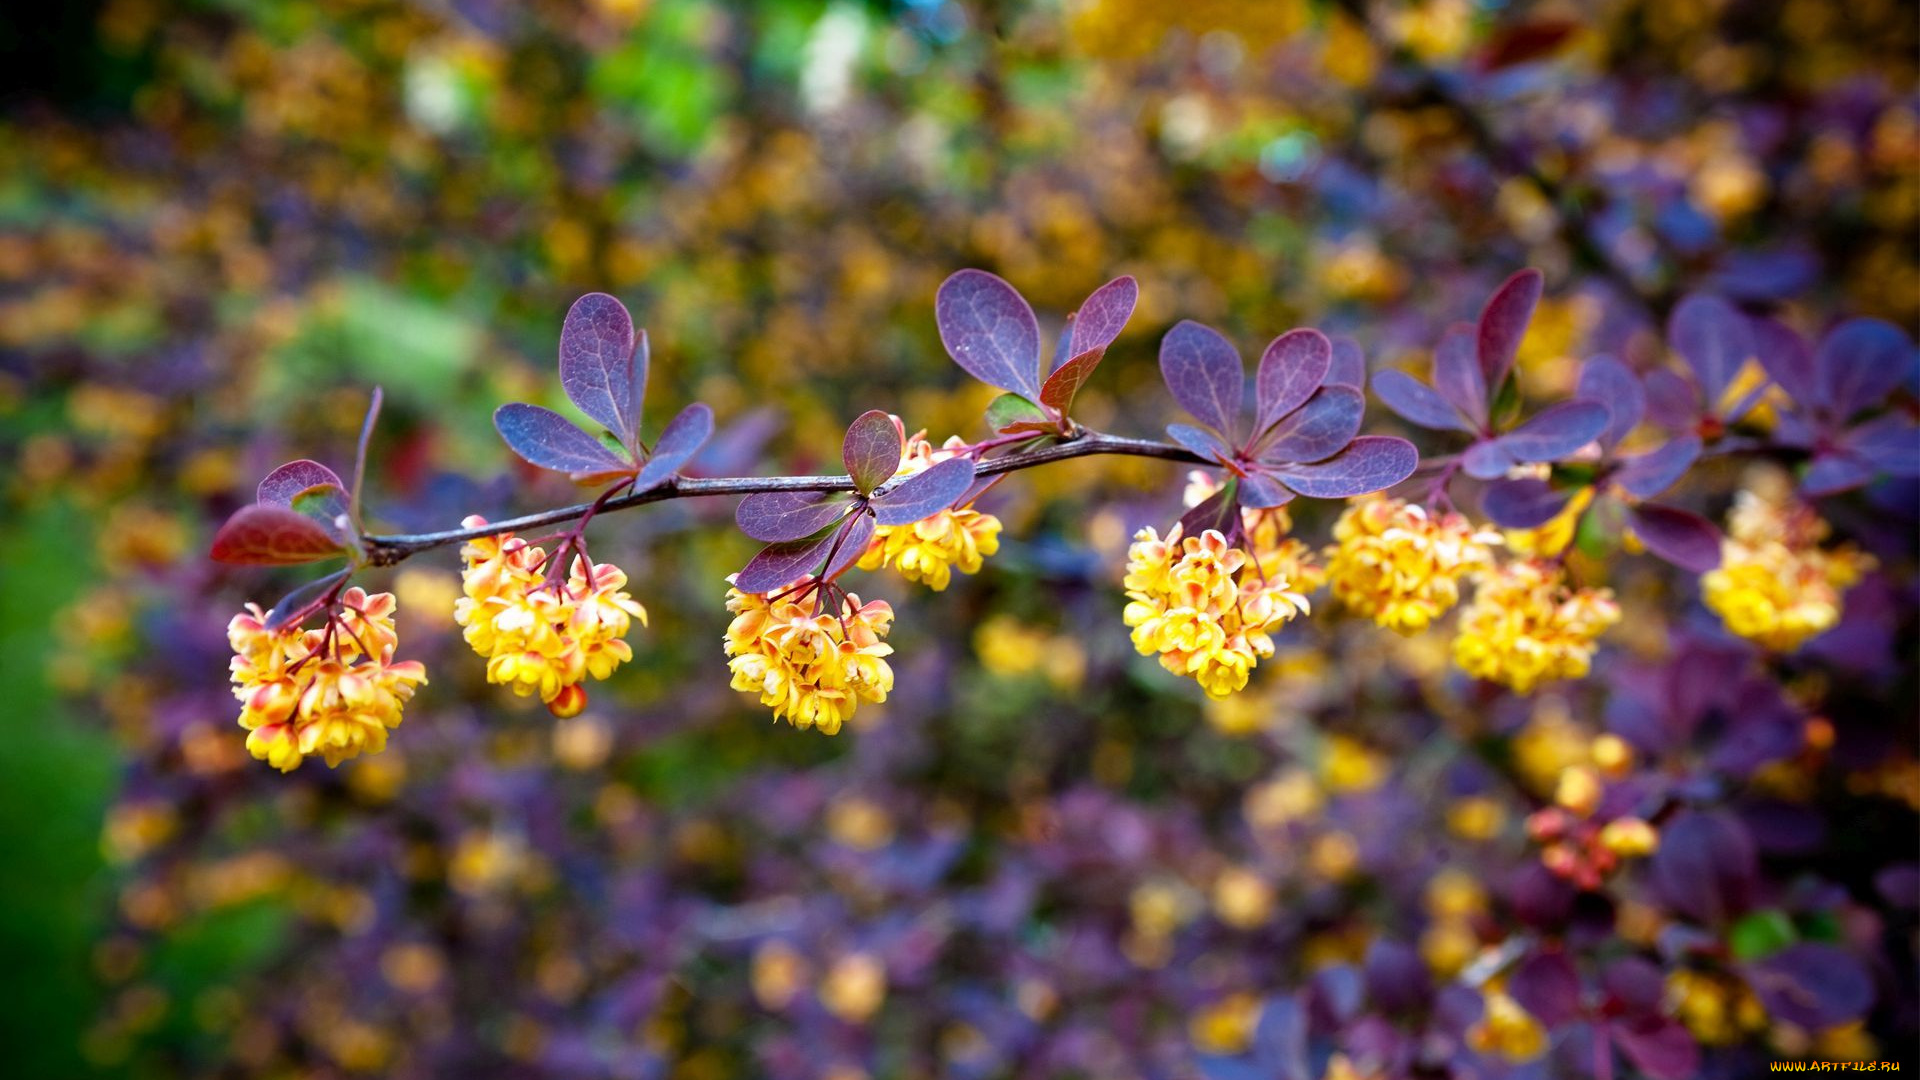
(812, 666)
(1775, 584)
(1269, 538)
(1526, 626)
(928, 550)
(541, 637)
(1401, 566)
(334, 691)
(1205, 607)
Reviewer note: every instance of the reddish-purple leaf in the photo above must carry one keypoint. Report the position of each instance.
(1294, 364)
(1636, 983)
(1526, 42)
(1659, 1047)
(1834, 471)
(1503, 323)
(298, 604)
(267, 535)
(1860, 362)
(1617, 388)
(1684, 539)
(1416, 402)
(1655, 471)
(1812, 985)
(782, 564)
(544, 438)
(358, 491)
(1203, 373)
(1891, 443)
(1370, 463)
(871, 450)
(781, 516)
(1103, 315)
(598, 366)
(1201, 441)
(1349, 364)
(1556, 431)
(1259, 491)
(1486, 460)
(1714, 339)
(1526, 503)
(1317, 430)
(924, 494)
(850, 542)
(1787, 360)
(1457, 376)
(1546, 985)
(1067, 379)
(682, 438)
(1706, 867)
(283, 483)
(990, 331)
(1219, 511)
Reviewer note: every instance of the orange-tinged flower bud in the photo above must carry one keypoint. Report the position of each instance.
(569, 702)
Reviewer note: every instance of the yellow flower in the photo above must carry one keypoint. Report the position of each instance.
(1506, 1030)
(1526, 627)
(335, 692)
(538, 636)
(1549, 540)
(928, 550)
(811, 664)
(1399, 565)
(1205, 608)
(1775, 585)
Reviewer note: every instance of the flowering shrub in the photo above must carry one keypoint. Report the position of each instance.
(1526, 693)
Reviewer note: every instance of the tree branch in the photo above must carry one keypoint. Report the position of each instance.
(390, 549)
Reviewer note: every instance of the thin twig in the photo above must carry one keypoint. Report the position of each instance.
(390, 549)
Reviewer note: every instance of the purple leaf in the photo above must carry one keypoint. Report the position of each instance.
(1546, 985)
(1317, 430)
(1486, 460)
(1659, 1047)
(1203, 373)
(1637, 984)
(781, 516)
(267, 535)
(924, 494)
(1294, 364)
(1103, 315)
(1655, 471)
(283, 483)
(1067, 379)
(1672, 401)
(1416, 402)
(1262, 492)
(989, 330)
(545, 438)
(1349, 365)
(1714, 339)
(1832, 472)
(1705, 868)
(871, 450)
(1860, 362)
(1556, 431)
(1527, 503)
(1787, 360)
(849, 543)
(298, 604)
(1202, 442)
(1370, 463)
(1684, 539)
(1812, 985)
(682, 438)
(598, 365)
(1503, 323)
(1891, 443)
(782, 564)
(1618, 389)
(1219, 511)
(1457, 376)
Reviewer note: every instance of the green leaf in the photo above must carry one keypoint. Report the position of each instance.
(1009, 409)
(1761, 934)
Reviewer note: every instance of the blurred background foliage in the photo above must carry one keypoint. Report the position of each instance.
(221, 222)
